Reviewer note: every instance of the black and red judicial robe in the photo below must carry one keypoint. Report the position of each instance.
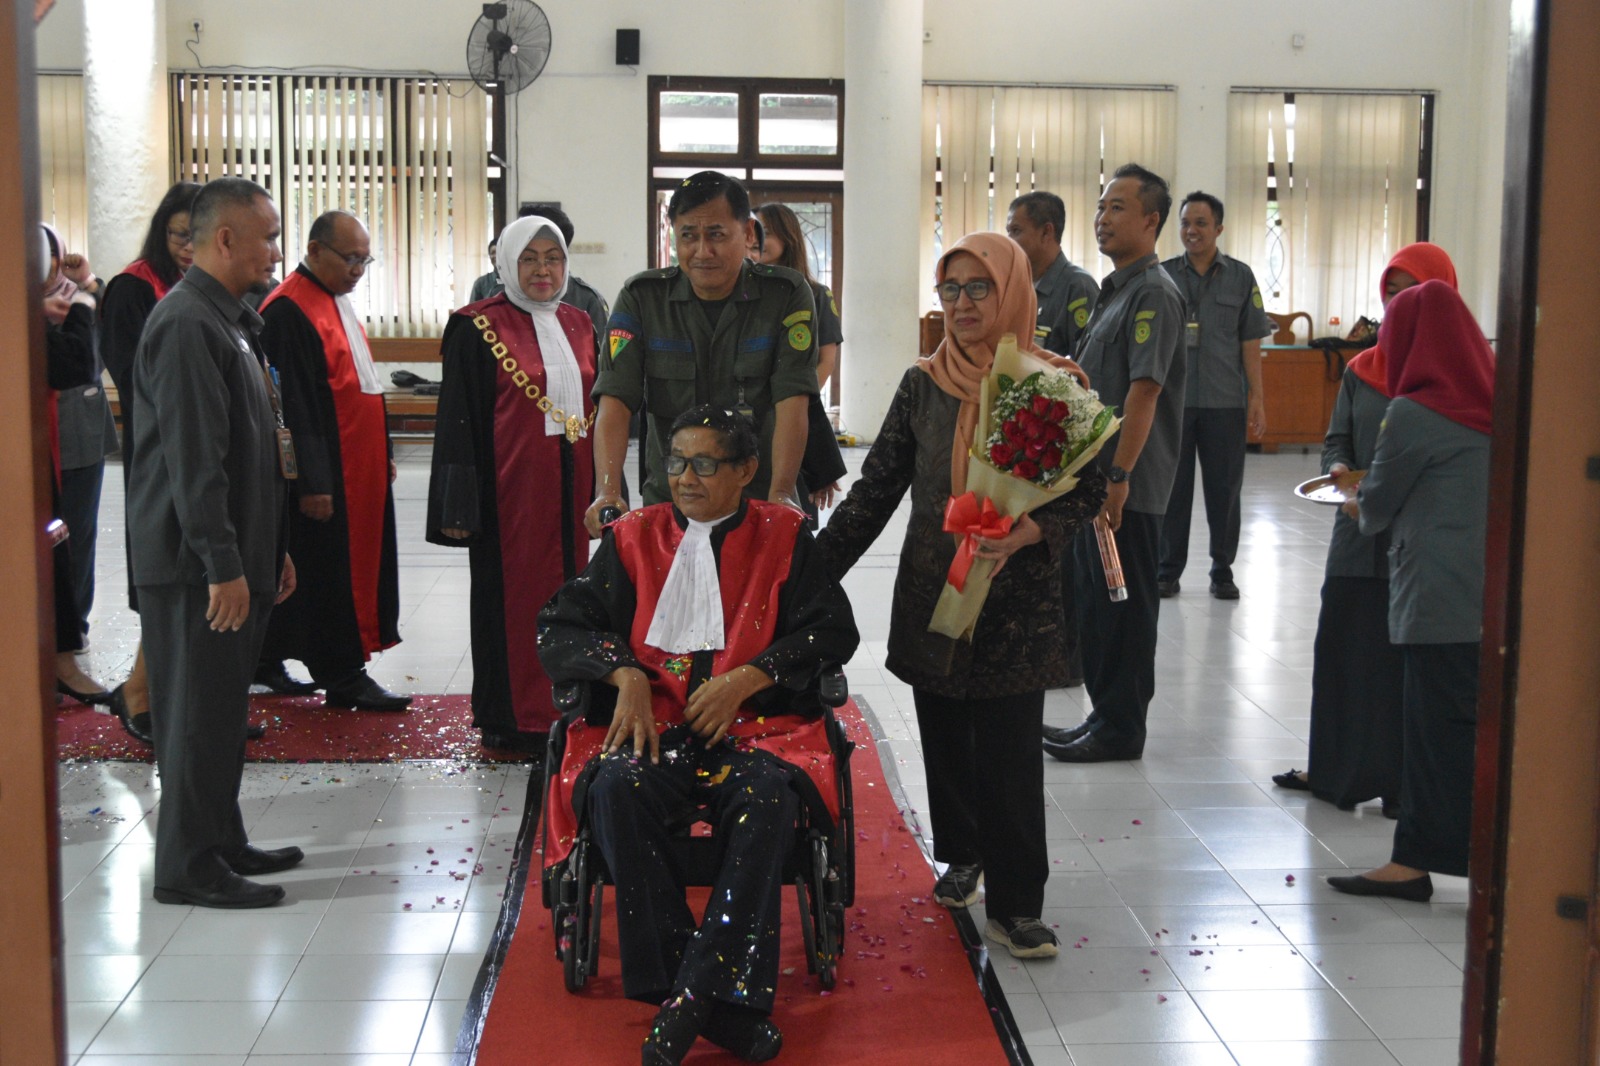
(782, 613)
(125, 304)
(347, 602)
(519, 493)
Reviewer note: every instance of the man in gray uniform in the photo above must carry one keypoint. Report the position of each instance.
(1223, 328)
(1132, 352)
(1066, 293)
(207, 524)
(715, 329)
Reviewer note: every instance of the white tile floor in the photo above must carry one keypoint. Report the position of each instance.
(1185, 941)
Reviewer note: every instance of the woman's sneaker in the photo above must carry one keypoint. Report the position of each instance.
(959, 885)
(1027, 938)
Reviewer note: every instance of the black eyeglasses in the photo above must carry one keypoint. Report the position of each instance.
(180, 237)
(363, 261)
(704, 465)
(951, 291)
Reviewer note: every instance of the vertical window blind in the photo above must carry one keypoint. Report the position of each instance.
(985, 145)
(408, 156)
(1323, 189)
(63, 173)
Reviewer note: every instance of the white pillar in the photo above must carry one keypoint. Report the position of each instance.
(883, 161)
(125, 124)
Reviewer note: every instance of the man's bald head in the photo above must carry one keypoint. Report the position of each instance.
(338, 250)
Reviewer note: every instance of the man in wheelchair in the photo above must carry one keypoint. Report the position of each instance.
(710, 618)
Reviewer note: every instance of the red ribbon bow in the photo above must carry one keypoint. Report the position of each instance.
(964, 514)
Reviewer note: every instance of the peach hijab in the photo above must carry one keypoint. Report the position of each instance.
(959, 369)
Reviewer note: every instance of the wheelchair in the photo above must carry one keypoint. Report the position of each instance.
(821, 864)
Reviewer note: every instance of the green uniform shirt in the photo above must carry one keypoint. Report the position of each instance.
(1067, 294)
(664, 353)
(1223, 310)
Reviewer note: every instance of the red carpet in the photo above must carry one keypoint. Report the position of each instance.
(300, 729)
(906, 994)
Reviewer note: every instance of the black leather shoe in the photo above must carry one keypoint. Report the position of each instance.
(1291, 779)
(1059, 734)
(1168, 589)
(88, 699)
(254, 861)
(138, 725)
(1090, 748)
(364, 694)
(743, 1032)
(276, 677)
(255, 732)
(1224, 589)
(1417, 890)
(677, 1024)
(231, 893)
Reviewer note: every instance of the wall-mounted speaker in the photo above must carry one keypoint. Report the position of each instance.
(627, 48)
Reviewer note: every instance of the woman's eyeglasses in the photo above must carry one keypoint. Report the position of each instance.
(704, 465)
(180, 237)
(951, 291)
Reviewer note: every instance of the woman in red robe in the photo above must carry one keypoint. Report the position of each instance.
(513, 470)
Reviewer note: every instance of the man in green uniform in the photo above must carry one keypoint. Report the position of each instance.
(714, 329)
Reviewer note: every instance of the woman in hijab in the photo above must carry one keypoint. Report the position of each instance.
(72, 368)
(1428, 487)
(980, 704)
(513, 470)
(1356, 673)
(167, 252)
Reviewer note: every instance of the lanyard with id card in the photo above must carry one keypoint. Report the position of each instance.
(1191, 328)
(287, 465)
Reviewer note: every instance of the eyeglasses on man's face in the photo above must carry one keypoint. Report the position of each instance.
(704, 465)
(950, 291)
(354, 262)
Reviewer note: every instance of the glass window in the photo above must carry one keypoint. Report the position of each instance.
(699, 122)
(797, 124)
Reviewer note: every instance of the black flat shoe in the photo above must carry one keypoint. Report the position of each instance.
(1168, 589)
(254, 861)
(1417, 890)
(1090, 748)
(276, 677)
(364, 694)
(138, 726)
(1224, 590)
(677, 1025)
(231, 893)
(101, 698)
(255, 731)
(1057, 734)
(1291, 779)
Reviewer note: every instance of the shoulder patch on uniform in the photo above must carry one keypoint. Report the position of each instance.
(1255, 296)
(833, 301)
(1141, 316)
(1081, 301)
(1141, 332)
(798, 316)
(619, 339)
(800, 335)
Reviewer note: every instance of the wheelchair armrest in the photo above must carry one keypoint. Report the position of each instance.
(832, 687)
(570, 697)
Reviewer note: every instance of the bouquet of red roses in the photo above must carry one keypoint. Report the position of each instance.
(1037, 427)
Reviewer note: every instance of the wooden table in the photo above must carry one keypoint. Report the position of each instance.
(1301, 385)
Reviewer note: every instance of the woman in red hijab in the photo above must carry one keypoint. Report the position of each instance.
(1355, 713)
(980, 704)
(1428, 487)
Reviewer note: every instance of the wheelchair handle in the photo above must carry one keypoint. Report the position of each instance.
(609, 515)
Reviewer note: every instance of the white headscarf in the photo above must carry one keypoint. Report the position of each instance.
(563, 379)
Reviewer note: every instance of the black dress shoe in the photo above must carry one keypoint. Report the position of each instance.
(744, 1032)
(1224, 589)
(139, 726)
(231, 893)
(364, 694)
(254, 861)
(1291, 779)
(276, 677)
(99, 698)
(1090, 748)
(677, 1025)
(1168, 589)
(255, 732)
(1065, 734)
(1417, 890)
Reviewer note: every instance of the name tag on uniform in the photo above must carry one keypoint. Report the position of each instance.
(1191, 333)
(286, 461)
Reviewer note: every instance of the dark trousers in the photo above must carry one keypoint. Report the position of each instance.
(1119, 639)
(1441, 723)
(1069, 618)
(201, 681)
(1357, 696)
(732, 956)
(1216, 435)
(986, 793)
(80, 509)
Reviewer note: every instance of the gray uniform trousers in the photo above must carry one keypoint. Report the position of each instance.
(200, 680)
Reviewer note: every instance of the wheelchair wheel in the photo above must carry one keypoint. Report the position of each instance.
(823, 956)
(574, 932)
(808, 925)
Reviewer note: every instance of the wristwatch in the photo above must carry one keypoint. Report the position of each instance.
(1115, 474)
